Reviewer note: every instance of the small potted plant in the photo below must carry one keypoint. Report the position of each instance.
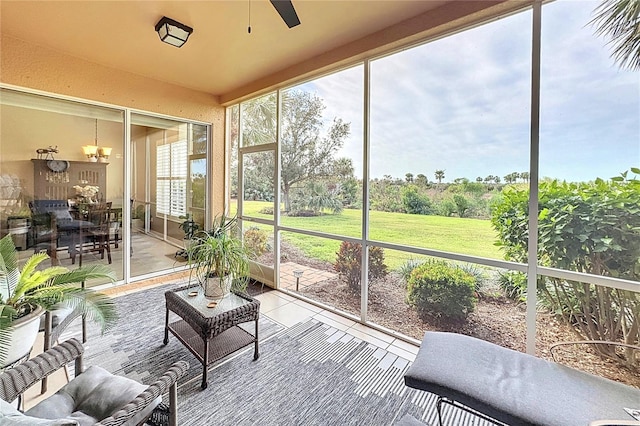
(26, 294)
(219, 259)
(137, 217)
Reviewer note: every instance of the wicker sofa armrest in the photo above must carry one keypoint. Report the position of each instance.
(168, 382)
(14, 381)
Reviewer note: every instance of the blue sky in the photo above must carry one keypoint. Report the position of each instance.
(462, 103)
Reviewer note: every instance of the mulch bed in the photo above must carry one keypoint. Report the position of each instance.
(496, 319)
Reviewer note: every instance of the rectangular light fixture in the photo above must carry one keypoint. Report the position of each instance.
(173, 32)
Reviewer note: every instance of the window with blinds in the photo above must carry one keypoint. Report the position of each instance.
(171, 178)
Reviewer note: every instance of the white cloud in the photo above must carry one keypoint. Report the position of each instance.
(462, 103)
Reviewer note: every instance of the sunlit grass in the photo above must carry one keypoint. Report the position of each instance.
(473, 237)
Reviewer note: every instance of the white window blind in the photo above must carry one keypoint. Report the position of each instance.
(171, 182)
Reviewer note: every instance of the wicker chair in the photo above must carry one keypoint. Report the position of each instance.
(54, 324)
(14, 381)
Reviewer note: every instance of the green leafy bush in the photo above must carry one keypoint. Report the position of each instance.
(349, 263)
(592, 228)
(414, 202)
(462, 204)
(514, 284)
(438, 289)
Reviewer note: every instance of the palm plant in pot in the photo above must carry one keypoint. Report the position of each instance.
(219, 259)
(26, 294)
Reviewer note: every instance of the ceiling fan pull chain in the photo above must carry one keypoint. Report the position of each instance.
(249, 27)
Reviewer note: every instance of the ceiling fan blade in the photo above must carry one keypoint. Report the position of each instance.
(287, 12)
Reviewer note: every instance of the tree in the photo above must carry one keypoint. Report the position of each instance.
(439, 175)
(620, 20)
(511, 177)
(409, 177)
(305, 154)
(421, 180)
(524, 176)
(343, 169)
(479, 179)
(259, 120)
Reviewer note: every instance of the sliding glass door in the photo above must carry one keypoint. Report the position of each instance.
(59, 160)
(168, 186)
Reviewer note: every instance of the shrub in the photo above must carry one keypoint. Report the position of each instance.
(462, 204)
(435, 288)
(266, 210)
(316, 197)
(593, 228)
(514, 284)
(349, 263)
(414, 202)
(446, 207)
(255, 240)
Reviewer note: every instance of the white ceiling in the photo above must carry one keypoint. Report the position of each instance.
(220, 55)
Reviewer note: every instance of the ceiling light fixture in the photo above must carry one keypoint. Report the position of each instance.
(173, 32)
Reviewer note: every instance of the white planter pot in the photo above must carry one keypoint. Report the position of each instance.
(216, 287)
(23, 333)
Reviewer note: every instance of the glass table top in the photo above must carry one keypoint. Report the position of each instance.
(195, 297)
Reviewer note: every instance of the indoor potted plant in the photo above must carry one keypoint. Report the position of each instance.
(26, 294)
(137, 217)
(220, 260)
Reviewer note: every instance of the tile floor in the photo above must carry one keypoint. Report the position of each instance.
(277, 306)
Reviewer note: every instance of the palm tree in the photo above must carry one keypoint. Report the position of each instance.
(439, 175)
(259, 120)
(620, 20)
(24, 291)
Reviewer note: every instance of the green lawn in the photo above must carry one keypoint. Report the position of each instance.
(458, 235)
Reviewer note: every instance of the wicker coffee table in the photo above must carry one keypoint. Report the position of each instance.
(211, 333)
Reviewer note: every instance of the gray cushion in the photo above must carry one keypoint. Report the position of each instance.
(10, 416)
(62, 215)
(514, 387)
(90, 397)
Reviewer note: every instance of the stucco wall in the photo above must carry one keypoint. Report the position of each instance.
(37, 67)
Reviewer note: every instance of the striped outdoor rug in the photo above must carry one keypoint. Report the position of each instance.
(309, 374)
